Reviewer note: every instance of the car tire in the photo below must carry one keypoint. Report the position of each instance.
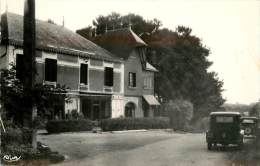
(209, 146)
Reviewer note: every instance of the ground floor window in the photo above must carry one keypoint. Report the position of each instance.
(96, 109)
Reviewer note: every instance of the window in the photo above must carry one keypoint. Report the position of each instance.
(147, 83)
(224, 119)
(132, 79)
(19, 66)
(51, 70)
(109, 76)
(84, 74)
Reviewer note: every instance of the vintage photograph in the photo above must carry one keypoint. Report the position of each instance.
(130, 82)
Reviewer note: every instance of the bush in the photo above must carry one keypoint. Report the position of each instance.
(134, 123)
(16, 136)
(180, 113)
(58, 126)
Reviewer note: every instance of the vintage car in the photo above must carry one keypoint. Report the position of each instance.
(224, 128)
(249, 125)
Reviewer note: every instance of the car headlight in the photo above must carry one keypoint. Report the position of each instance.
(242, 132)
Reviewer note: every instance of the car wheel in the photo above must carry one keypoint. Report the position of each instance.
(209, 146)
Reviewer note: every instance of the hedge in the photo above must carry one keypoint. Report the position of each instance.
(134, 123)
(58, 126)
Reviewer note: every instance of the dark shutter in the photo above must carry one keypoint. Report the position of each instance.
(134, 79)
(51, 70)
(84, 74)
(109, 76)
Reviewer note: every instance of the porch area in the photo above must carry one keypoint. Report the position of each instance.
(96, 107)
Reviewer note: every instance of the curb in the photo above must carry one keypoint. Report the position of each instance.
(129, 131)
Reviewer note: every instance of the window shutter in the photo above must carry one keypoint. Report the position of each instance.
(109, 76)
(134, 79)
(84, 73)
(51, 70)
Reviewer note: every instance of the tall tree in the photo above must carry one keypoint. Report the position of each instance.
(182, 61)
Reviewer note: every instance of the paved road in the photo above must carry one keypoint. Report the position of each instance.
(153, 148)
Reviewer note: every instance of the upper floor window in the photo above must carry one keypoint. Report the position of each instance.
(132, 79)
(84, 74)
(50, 70)
(109, 76)
(19, 66)
(148, 83)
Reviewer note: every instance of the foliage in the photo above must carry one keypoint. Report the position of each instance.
(14, 142)
(180, 113)
(58, 126)
(14, 98)
(255, 110)
(134, 123)
(244, 109)
(182, 61)
(116, 21)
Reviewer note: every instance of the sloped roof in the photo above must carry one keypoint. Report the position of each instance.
(120, 41)
(51, 37)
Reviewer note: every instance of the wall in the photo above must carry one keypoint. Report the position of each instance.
(117, 106)
(68, 70)
(133, 64)
(68, 74)
(137, 101)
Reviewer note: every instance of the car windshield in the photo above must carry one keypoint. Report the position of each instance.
(224, 119)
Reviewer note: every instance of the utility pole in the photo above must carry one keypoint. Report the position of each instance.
(29, 43)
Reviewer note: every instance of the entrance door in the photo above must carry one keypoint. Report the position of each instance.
(96, 111)
(86, 109)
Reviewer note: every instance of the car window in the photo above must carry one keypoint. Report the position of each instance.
(248, 121)
(224, 119)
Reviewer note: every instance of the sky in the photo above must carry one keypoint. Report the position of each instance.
(229, 28)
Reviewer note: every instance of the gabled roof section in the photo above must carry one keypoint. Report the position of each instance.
(120, 41)
(53, 38)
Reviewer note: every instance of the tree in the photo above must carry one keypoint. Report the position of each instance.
(180, 113)
(117, 21)
(183, 70)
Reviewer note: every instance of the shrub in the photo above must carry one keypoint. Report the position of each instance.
(180, 113)
(16, 136)
(58, 126)
(134, 123)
